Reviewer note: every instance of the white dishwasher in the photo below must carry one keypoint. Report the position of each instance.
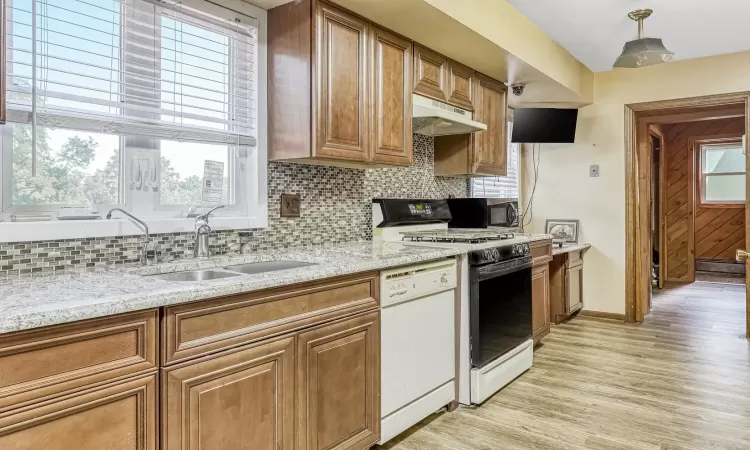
(417, 343)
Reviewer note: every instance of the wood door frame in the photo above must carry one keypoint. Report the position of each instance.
(638, 182)
(655, 130)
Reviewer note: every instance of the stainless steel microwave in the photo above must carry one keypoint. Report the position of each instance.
(483, 212)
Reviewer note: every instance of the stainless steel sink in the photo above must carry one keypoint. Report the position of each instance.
(267, 266)
(195, 275)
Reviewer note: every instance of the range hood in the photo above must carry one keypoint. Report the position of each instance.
(434, 118)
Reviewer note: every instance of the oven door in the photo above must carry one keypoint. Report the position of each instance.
(500, 309)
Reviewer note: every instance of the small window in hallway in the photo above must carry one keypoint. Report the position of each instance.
(722, 174)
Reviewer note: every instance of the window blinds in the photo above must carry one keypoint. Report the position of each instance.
(501, 187)
(132, 67)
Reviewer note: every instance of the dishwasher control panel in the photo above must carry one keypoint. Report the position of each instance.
(408, 282)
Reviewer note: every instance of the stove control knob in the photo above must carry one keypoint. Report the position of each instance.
(495, 254)
(487, 255)
(525, 248)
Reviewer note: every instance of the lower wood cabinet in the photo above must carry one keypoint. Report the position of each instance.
(242, 399)
(540, 301)
(541, 252)
(290, 368)
(566, 286)
(573, 289)
(116, 416)
(338, 385)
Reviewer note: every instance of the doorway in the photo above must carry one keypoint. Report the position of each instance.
(650, 261)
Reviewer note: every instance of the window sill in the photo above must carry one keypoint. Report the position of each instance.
(721, 205)
(79, 229)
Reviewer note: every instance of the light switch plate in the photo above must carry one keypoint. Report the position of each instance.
(594, 170)
(291, 205)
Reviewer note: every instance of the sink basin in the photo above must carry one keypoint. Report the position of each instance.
(267, 266)
(195, 275)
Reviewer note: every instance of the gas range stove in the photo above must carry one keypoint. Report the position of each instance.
(456, 235)
(425, 222)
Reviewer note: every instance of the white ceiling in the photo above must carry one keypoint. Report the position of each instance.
(594, 31)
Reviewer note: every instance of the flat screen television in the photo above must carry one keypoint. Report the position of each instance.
(544, 125)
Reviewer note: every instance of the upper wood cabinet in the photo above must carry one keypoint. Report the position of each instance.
(430, 73)
(391, 75)
(483, 153)
(338, 380)
(440, 78)
(460, 86)
(242, 399)
(492, 144)
(337, 88)
(341, 82)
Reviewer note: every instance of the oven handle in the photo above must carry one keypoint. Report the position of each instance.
(498, 270)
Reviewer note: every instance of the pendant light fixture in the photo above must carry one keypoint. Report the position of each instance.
(643, 51)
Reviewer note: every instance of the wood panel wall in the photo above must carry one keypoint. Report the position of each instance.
(693, 232)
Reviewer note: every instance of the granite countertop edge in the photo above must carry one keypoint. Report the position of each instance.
(81, 295)
(570, 248)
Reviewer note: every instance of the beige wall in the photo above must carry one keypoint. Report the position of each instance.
(564, 189)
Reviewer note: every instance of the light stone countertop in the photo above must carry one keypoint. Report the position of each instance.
(538, 237)
(52, 299)
(567, 248)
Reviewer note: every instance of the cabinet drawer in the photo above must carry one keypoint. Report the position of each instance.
(574, 259)
(204, 327)
(541, 251)
(41, 363)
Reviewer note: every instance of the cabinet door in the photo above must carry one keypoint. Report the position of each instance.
(391, 77)
(460, 85)
(430, 73)
(573, 289)
(338, 385)
(341, 119)
(491, 151)
(242, 399)
(117, 416)
(540, 301)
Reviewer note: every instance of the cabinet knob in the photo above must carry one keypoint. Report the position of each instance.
(741, 255)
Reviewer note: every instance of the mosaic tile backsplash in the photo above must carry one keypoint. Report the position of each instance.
(336, 207)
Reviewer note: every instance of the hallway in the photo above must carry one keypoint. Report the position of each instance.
(679, 381)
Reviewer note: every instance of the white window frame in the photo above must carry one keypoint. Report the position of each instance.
(250, 209)
(702, 175)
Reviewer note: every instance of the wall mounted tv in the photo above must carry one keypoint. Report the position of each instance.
(544, 125)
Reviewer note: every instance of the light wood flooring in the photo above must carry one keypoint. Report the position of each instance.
(679, 381)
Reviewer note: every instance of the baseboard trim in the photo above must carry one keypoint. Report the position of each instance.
(602, 315)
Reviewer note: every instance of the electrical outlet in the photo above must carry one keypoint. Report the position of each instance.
(594, 170)
(290, 205)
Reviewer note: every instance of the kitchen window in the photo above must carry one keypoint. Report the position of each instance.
(152, 106)
(500, 187)
(722, 173)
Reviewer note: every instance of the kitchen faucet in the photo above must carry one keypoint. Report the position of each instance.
(148, 257)
(202, 231)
